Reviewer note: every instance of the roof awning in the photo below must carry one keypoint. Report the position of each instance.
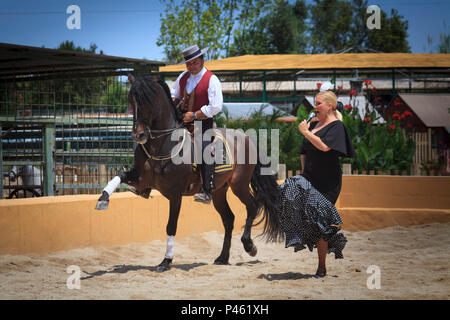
(323, 62)
(432, 109)
(26, 62)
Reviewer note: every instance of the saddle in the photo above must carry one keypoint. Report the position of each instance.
(220, 151)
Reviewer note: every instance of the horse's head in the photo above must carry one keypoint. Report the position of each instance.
(141, 112)
(14, 173)
(150, 104)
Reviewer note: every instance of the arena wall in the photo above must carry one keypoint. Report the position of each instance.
(49, 224)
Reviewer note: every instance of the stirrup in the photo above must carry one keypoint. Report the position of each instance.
(202, 197)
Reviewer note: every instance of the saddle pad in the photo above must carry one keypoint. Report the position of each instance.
(220, 144)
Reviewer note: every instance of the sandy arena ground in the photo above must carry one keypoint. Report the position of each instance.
(413, 261)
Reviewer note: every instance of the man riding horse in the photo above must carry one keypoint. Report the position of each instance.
(155, 120)
(201, 94)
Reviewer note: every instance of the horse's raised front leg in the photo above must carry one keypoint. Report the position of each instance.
(171, 230)
(128, 177)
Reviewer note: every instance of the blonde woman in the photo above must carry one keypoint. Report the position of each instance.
(307, 213)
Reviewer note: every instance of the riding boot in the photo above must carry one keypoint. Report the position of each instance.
(208, 184)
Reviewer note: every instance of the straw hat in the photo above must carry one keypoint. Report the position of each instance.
(192, 52)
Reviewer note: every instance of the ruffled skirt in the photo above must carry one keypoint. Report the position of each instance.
(306, 216)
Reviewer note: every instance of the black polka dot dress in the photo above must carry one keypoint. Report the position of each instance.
(306, 216)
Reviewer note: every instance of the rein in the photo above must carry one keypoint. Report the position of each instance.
(166, 131)
(168, 156)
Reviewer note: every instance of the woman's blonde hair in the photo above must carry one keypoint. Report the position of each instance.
(331, 98)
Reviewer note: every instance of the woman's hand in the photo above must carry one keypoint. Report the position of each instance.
(303, 127)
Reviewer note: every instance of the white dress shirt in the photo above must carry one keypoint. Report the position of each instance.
(214, 92)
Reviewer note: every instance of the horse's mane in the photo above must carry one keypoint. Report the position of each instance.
(144, 91)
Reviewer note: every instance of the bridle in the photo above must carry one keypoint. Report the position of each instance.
(162, 133)
(168, 156)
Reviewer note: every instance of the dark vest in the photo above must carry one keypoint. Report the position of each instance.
(199, 96)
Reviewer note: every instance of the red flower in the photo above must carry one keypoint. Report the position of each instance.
(353, 93)
(407, 114)
(396, 116)
(367, 82)
(393, 126)
(348, 107)
(373, 89)
(367, 119)
(319, 85)
(410, 126)
(397, 102)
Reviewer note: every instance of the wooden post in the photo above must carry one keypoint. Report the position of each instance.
(430, 155)
(103, 179)
(281, 171)
(48, 148)
(346, 168)
(264, 97)
(1, 166)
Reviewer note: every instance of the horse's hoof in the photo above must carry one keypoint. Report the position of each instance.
(164, 265)
(132, 190)
(253, 251)
(103, 201)
(102, 205)
(220, 262)
(162, 268)
(249, 247)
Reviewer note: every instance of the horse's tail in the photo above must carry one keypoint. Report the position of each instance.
(266, 192)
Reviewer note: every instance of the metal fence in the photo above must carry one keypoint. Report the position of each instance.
(64, 136)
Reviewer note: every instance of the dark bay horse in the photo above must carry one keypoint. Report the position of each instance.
(154, 120)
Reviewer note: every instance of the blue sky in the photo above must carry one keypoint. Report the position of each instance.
(131, 28)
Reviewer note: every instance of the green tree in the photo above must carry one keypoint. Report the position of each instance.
(207, 23)
(338, 25)
(444, 46)
(331, 26)
(70, 45)
(444, 42)
(392, 37)
(104, 93)
(280, 30)
(254, 40)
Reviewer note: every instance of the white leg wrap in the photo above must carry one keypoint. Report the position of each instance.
(170, 247)
(112, 185)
